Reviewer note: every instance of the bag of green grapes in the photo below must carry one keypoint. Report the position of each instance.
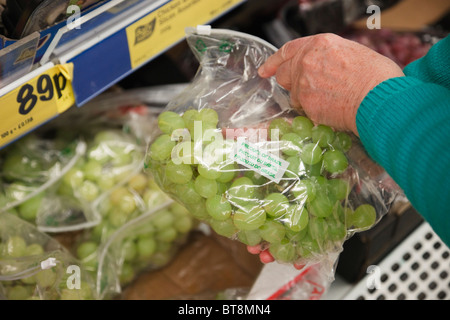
(141, 230)
(34, 266)
(233, 151)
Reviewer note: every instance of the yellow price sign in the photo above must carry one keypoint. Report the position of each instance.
(35, 102)
(165, 26)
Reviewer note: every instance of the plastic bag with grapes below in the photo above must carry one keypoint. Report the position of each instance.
(142, 229)
(31, 169)
(233, 151)
(115, 138)
(34, 266)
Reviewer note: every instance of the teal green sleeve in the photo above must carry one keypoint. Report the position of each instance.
(434, 67)
(404, 124)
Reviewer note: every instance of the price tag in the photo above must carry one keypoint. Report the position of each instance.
(35, 102)
(165, 26)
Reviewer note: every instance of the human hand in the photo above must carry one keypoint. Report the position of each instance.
(329, 76)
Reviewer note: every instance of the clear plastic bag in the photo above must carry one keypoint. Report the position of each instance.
(31, 170)
(53, 177)
(141, 229)
(237, 156)
(34, 266)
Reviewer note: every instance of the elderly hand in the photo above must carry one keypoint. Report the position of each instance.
(329, 76)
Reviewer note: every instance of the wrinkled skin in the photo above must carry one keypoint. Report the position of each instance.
(329, 76)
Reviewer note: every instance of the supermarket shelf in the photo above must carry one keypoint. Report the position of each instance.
(417, 269)
(101, 47)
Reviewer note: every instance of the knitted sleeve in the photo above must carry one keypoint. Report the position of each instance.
(404, 124)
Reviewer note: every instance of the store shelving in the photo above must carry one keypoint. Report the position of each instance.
(85, 56)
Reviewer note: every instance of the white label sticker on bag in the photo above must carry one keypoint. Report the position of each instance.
(260, 160)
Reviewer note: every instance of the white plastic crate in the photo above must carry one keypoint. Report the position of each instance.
(417, 269)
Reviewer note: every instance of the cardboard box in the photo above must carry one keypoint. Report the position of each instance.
(205, 267)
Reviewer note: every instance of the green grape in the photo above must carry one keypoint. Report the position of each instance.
(46, 278)
(222, 187)
(89, 191)
(209, 171)
(161, 148)
(291, 144)
(106, 182)
(296, 236)
(16, 246)
(363, 217)
(122, 156)
(178, 210)
(167, 235)
(249, 218)
(205, 187)
(74, 177)
(169, 121)
(183, 152)
(304, 190)
(146, 246)
(276, 204)
(272, 231)
(302, 126)
(107, 135)
(322, 135)
(84, 293)
(127, 274)
(314, 169)
(16, 164)
(209, 116)
(335, 161)
(255, 177)
(127, 204)
(117, 194)
(163, 219)
(189, 117)
(280, 124)
(198, 210)
(117, 218)
(31, 280)
(311, 153)
(224, 228)
(138, 182)
(241, 190)
(218, 207)
(86, 250)
(178, 173)
(342, 141)
(308, 247)
(186, 193)
(228, 173)
(129, 250)
(318, 229)
(18, 292)
(336, 230)
(293, 169)
(183, 224)
(283, 251)
(321, 207)
(296, 218)
(34, 249)
(92, 170)
(28, 210)
(249, 237)
(339, 189)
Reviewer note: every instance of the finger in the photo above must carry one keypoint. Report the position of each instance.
(285, 53)
(266, 257)
(284, 75)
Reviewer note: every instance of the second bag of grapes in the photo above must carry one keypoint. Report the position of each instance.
(233, 151)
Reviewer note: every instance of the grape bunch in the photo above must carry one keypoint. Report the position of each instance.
(302, 217)
(145, 243)
(48, 284)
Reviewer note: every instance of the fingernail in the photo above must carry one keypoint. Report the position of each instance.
(261, 71)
